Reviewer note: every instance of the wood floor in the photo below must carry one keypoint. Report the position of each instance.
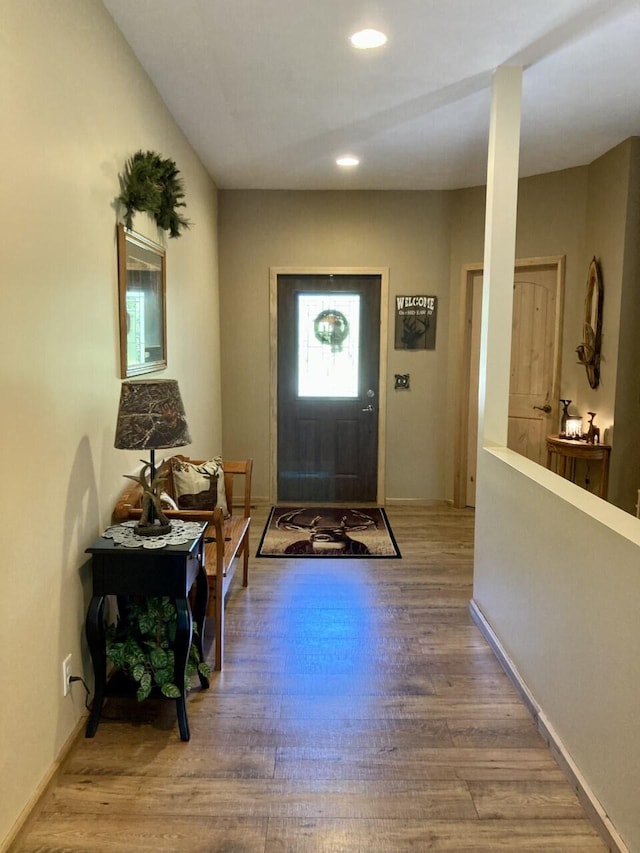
(359, 710)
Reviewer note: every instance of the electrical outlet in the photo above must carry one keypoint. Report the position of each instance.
(66, 675)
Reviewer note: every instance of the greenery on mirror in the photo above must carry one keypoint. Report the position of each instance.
(153, 184)
(140, 644)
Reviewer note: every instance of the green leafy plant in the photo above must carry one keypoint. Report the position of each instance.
(152, 184)
(140, 644)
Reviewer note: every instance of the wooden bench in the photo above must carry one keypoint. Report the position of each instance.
(226, 539)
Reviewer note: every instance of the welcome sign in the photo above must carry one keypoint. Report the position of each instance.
(415, 325)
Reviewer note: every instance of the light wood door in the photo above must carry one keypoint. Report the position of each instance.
(533, 404)
(472, 405)
(535, 363)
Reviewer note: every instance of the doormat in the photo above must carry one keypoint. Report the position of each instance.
(328, 532)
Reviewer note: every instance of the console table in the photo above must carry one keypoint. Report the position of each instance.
(168, 571)
(565, 452)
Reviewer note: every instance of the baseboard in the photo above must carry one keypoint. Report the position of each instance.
(261, 501)
(35, 800)
(415, 502)
(590, 802)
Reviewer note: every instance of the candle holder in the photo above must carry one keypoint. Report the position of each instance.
(573, 429)
(564, 417)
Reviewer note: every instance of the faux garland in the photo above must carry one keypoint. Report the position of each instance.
(152, 184)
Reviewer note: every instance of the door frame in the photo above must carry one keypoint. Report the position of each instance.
(274, 272)
(469, 271)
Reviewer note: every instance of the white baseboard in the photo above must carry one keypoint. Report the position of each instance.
(415, 502)
(590, 802)
(258, 501)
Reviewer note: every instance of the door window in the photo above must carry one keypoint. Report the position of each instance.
(328, 344)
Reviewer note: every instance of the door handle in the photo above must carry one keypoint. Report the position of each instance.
(546, 408)
(368, 408)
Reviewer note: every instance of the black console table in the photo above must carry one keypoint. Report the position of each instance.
(168, 571)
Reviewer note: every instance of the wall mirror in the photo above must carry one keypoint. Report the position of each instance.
(142, 299)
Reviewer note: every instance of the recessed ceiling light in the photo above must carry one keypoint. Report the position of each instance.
(347, 160)
(366, 39)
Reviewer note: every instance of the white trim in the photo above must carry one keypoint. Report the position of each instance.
(417, 502)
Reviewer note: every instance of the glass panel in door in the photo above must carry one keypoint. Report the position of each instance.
(328, 344)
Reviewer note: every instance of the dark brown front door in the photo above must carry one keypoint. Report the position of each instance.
(328, 366)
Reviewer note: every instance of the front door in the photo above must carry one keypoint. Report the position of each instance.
(328, 386)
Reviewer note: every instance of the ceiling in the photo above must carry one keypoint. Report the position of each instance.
(270, 92)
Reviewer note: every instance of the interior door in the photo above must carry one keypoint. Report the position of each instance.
(328, 373)
(533, 404)
(535, 363)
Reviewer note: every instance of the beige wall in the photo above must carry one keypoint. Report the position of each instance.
(424, 238)
(613, 227)
(579, 213)
(551, 222)
(552, 214)
(556, 574)
(625, 475)
(605, 238)
(408, 232)
(75, 105)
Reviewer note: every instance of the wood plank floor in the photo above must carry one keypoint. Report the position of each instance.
(359, 709)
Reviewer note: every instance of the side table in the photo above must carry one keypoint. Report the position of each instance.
(566, 451)
(168, 571)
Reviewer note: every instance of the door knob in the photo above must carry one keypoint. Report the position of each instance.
(368, 408)
(546, 408)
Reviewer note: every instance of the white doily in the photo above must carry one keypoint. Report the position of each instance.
(181, 532)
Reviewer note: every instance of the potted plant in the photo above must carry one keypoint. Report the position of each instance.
(140, 644)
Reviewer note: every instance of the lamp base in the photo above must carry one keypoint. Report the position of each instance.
(152, 529)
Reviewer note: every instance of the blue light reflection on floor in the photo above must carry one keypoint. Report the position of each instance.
(329, 622)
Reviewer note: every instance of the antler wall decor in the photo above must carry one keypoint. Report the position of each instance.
(589, 350)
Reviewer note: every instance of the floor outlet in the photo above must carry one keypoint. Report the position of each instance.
(66, 675)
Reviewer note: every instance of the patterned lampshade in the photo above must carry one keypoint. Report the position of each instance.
(151, 415)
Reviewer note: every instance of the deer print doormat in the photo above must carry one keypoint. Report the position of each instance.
(328, 532)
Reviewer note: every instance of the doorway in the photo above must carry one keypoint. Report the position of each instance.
(328, 346)
(535, 365)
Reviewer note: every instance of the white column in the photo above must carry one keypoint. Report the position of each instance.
(499, 257)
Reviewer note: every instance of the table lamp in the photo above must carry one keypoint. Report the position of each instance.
(151, 417)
